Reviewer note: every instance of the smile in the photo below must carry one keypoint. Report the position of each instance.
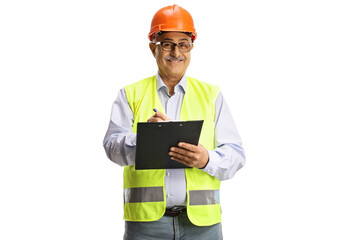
(174, 61)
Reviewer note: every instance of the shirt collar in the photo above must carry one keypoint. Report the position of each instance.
(160, 83)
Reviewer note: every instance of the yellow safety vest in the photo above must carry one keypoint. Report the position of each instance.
(144, 190)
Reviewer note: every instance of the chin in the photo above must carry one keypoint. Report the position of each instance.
(173, 71)
(176, 73)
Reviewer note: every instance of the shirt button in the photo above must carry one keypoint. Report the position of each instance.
(168, 174)
(169, 195)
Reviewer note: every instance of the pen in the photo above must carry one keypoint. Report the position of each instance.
(155, 110)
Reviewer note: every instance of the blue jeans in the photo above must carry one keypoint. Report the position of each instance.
(171, 228)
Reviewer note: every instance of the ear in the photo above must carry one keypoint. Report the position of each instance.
(152, 48)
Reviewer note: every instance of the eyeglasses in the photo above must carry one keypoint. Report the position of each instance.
(169, 46)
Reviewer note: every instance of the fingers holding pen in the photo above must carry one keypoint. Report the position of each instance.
(161, 116)
(158, 117)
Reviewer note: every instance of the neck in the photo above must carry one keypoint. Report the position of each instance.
(170, 82)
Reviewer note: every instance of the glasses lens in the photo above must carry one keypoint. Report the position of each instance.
(184, 46)
(169, 46)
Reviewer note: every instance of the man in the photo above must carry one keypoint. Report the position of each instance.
(174, 203)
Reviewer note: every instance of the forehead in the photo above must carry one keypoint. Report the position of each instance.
(174, 36)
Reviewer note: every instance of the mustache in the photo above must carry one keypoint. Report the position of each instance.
(171, 58)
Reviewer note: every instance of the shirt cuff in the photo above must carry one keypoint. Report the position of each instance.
(133, 139)
(211, 166)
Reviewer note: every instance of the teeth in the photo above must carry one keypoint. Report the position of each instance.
(175, 61)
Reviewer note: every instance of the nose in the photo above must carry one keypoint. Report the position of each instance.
(175, 52)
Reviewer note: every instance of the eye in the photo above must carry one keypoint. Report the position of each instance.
(167, 45)
(185, 46)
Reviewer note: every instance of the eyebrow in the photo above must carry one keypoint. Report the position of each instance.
(170, 39)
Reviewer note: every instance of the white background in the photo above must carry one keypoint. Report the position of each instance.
(288, 69)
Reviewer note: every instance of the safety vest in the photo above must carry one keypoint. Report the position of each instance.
(144, 190)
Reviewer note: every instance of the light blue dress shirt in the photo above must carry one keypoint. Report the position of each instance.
(224, 161)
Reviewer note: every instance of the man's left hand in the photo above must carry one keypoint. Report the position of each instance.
(190, 155)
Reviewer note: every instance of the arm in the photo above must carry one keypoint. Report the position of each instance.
(229, 156)
(120, 141)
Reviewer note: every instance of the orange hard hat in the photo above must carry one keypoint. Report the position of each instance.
(172, 19)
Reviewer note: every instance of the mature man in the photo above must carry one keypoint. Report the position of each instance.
(174, 203)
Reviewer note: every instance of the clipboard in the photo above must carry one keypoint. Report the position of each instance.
(154, 140)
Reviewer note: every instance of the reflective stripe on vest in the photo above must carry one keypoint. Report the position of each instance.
(203, 208)
(204, 197)
(143, 194)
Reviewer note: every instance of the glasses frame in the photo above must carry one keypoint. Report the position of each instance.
(173, 46)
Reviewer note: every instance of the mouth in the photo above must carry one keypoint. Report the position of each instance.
(174, 60)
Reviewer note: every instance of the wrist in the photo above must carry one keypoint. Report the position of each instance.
(206, 163)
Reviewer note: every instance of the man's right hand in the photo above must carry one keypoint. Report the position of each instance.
(158, 117)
